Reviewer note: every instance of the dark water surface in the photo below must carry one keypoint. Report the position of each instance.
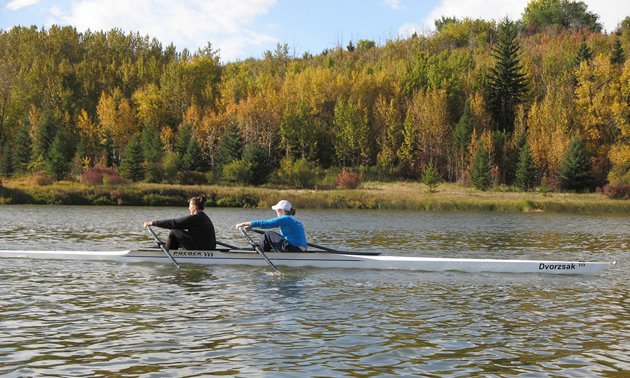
(103, 319)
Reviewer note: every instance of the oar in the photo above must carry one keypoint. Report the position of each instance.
(162, 246)
(309, 244)
(226, 245)
(257, 248)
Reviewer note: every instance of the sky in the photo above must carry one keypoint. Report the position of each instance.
(242, 29)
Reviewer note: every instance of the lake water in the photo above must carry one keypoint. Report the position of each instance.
(102, 319)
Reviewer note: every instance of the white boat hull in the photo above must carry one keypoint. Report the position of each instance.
(324, 260)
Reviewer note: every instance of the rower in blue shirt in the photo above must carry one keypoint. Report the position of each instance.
(291, 237)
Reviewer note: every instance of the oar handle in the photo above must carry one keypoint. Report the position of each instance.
(257, 248)
(163, 247)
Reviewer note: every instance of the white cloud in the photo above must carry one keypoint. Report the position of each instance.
(19, 4)
(227, 25)
(394, 4)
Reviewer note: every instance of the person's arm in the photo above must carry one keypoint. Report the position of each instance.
(177, 223)
(264, 224)
(247, 225)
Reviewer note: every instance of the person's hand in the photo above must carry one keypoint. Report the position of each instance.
(246, 225)
(146, 224)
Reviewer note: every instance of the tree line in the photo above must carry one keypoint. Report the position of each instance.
(540, 100)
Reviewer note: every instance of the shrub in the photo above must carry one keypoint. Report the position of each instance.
(617, 191)
(431, 177)
(114, 180)
(99, 176)
(92, 178)
(191, 178)
(237, 171)
(299, 173)
(348, 180)
(42, 178)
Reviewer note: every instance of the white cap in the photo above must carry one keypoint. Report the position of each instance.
(284, 205)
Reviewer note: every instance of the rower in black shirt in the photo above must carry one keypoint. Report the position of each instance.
(192, 232)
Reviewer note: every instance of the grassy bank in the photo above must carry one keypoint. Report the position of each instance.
(372, 195)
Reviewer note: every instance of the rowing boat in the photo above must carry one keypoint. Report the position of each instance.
(325, 259)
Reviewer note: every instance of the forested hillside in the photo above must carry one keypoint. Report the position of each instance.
(545, 98)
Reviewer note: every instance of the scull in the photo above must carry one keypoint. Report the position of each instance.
(325, 259)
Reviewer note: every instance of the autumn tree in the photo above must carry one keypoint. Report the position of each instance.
(353, 142)
(596, 90)
(567, 14)
(297, 130)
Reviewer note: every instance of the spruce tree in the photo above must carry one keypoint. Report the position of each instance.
(153, 153)
(259, 162)
(6, 163)
(526, 169)
(584, 54)
(480, 170)
(507, 84)
(193, 158)
(231, 146)
(184, 135)
(462, 135)
(132, 166)
(618, 56)
(22, 151)
(576, 170)
(431, 177)
(58, 163)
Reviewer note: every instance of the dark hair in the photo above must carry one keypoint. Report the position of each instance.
(290, 212)
(198, 201)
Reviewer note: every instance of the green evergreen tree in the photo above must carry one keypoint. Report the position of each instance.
(462, 136)
(231, 146)
(184, 135)
(132, 165)
(58, 164)
(576, 170)
(507, 84)
(22, 151)
(6, 163)
(431, 177)
(480, 170)
(153, 153)
(618, 56)
(584, 54)
(526, 169)
(193, 158)
(259, 162)
(45, 132)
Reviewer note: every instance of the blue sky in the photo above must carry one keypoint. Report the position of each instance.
(241, 29)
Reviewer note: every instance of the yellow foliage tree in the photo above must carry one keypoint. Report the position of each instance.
(548, 130)
(597, 88)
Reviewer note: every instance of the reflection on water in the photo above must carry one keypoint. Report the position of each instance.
(80, 318)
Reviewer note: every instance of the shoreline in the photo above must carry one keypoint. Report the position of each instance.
(372, 195)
